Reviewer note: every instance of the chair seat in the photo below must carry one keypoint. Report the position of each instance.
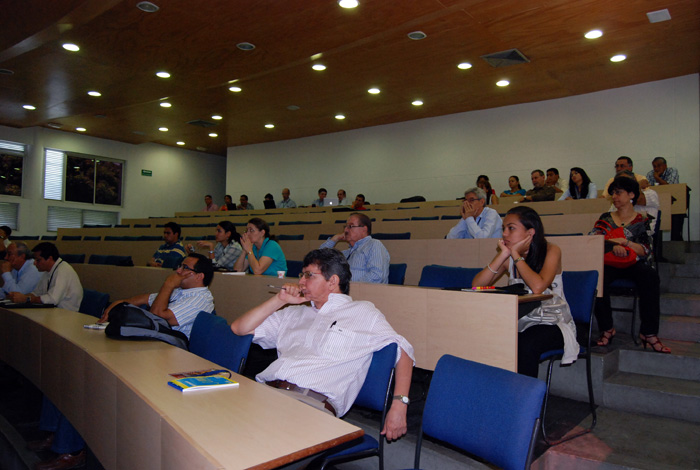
(558, 353)
(362, 444)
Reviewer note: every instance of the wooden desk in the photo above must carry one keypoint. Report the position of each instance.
(116, 395)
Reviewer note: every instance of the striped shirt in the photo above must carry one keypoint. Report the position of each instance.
(368, 259)
(186, 305)
(327, 350)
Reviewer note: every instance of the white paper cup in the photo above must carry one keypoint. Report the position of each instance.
(280, 274)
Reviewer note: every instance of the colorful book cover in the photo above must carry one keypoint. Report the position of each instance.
(201, 373)
(189, 384)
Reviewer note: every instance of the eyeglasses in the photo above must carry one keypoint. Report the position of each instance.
(352, 226)
(184, 267)
(251, 230)
(472, 199)
(307, 274)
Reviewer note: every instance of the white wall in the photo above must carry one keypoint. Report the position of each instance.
(440, 157)
(180, 178)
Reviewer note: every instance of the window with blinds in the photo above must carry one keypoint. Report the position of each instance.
(11, 167)
(9, 212)
(68, 217)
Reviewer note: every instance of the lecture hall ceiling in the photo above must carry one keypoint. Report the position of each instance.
(122, 48)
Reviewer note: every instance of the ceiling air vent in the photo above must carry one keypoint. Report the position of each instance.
(54, 125)
(202, 123)
(505, 58)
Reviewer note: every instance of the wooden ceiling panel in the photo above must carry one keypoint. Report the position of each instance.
(194, 40)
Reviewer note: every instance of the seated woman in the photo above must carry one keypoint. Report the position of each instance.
(636, 228)
(227, 250)
(228, 204)
(483, 182)
(529, 259)
(262, 255)
(580, 186)
(515, 188)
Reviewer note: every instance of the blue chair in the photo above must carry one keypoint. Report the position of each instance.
(392, 236)
(325, 236)
(47, 237)
(375, 395)
(435, 217)
(434, 275)
(290, 237)
(396, 220)
(294, 268)
(97, 259)
(300, 222)
(68, 238)
(450, 217)
(580, 290)
(73, 259)
(94, 302)
(212, 339)
(93, 238)
(397, 273)
(489, 412)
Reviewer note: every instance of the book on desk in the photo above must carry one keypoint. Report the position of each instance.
(202, 380)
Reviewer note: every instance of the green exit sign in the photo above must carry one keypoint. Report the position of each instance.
(146, 173)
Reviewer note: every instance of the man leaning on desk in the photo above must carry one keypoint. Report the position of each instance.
(325, 349)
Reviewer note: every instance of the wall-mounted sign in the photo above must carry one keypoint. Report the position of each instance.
(146, 173)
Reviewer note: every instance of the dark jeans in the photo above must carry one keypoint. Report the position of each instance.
(647, 282)
(533, 342)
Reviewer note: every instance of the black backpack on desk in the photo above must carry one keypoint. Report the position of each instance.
(128, 321)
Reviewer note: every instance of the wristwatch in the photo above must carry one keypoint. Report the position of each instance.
(403, 398)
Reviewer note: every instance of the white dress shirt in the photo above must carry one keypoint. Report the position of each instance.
(61, 287)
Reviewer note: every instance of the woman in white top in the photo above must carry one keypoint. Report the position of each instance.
(529, 259)
(580, 186)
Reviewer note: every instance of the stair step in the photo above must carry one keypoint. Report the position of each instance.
(683, 364)
(686, 270)
(650, 394)
(692, 258)
(680, 304)
(683, 285)
(680, 328)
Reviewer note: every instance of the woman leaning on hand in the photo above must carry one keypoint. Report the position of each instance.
(261, 254)
(526, 256)
(637, 237)
(227, 249)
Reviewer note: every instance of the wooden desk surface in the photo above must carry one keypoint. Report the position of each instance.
(116, 394)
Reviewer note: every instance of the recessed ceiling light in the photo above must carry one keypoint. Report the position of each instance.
(29, 107)
(417, 103)
(659, 16)
(148, 7)
(618, 58)
(213, 134)
(293, 107)
(417, 35)
(80, 129)
(94, 93)
(340, 117)
(163, 129)
(216, 117)
(71, 47)
(348, 3)
(593, 34)
(374, 91)
(6, 72)
(165, 104)
(503, 83)
(269, 126)
(163, 74)
(464, 66)
(180, 143)
(235, 89)
(318, 67)
(201, 149)
(55, 125)
(245, 46)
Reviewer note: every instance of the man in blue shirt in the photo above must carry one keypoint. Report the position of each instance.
(367, 257)
(18, 270)
(478, 221)
(171, 253)
(662, 174)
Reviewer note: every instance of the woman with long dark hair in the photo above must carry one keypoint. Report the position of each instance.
(580, 186)
(483, 182)
(529, 259)
(227, 249)
(515, 188)
(261, 254)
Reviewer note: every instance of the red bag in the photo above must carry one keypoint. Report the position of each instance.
(610, 258)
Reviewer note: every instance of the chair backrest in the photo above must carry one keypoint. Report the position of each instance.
(73, 259)
(397, 273)
(290, 237)
(97, 259)
(434, 275)
(94, 302)
(490, 412)
(392, 236)
(294, 268)
(212, 339)
(375, 390)
(580, 290)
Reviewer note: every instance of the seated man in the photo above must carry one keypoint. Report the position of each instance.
(59, 286)
(18, 270)
(324, 349)
(662, 174)
(540, 191)
(368, 258)
(182, 296)
(560, 185)
(622, 164)
(322, 193)
(169, 254)
(209, 205)
(342, 197)
(286, 203)
(244, 204)
(359, 203)
(478, 221)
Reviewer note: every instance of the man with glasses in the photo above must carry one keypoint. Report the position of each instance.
(169, 254)
(478, 221)
(18, 270)
(182, 296)
(540, 191)
(624, 164)
(368, 258)
(324, 349)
